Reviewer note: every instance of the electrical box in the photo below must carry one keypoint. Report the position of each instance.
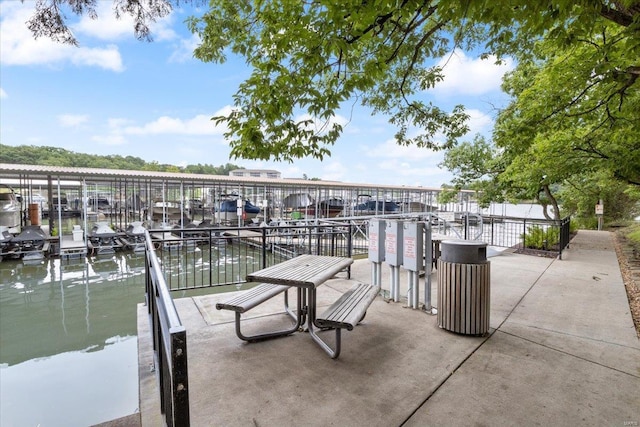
(376, 240)
(393, 243)
(413, 246)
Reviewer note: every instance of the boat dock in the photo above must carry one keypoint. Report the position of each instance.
(562, 348)
(70, 247)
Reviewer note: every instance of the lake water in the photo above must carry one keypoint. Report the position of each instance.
(68, 352)
(68, 340)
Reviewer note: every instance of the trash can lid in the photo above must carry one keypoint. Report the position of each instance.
(463, 243)
(463, 251)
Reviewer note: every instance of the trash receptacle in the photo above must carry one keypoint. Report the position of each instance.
(463, 287)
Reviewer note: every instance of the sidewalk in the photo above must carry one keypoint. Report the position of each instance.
(562, 349)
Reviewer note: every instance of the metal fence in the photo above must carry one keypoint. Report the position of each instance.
(169, 342)
(202, 257)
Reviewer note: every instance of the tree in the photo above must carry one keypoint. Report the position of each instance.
(49, 19)
(310, 58)
(572, 126)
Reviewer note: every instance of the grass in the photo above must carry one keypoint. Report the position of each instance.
(633, 233)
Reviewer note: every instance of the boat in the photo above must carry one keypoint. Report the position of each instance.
(226, 210)
(134, 238)
(299, 205)
(195, 207)
(9, 207)
(5, 240)
(99, 204)
(330, 208)
(103, 239)
(30, 244)
(376, 207)
(165, 211)
(135, 204)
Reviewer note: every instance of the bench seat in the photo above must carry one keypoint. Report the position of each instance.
(347, 312)
(350, 308)
(254, 297)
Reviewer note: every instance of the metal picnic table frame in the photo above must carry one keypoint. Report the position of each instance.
(305, 272)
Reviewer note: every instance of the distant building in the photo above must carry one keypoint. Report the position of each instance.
(256, 173)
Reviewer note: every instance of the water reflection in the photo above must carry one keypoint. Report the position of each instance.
(68, 353)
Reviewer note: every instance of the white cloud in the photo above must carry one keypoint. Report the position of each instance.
(3, 94)
(198, 125)
(19, 47)
(479, 122)
(322, 126)
(390, 149)
(469, 76)
(117, 123)
(184, 51)
(108, 27)
(334, 171)
(72, 120)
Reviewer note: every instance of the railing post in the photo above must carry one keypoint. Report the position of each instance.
(492, 229)
(264, 247)
(466, 226)
(349, 249)
(169, 342)
(180, 378)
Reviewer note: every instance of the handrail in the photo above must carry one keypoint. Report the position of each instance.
(169, 342)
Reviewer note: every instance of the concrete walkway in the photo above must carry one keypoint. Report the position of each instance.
(562, 350)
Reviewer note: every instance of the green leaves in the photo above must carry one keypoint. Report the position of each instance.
(308, 58)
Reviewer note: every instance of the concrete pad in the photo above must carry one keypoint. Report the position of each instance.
(388, 365)
(510, 381)
(611, 355)
(562, 350)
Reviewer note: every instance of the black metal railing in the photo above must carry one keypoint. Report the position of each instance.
(565, 235)
(169, 342)
(522, 234)
(216, 256)
(203, 257)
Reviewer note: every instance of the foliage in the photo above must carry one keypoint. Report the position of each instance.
(537, 237)
(53, 156)
(49, 19)
(633, 233)
(309, 58)
(575, 91)
(582, 192)
(585, 223)
(570, 134)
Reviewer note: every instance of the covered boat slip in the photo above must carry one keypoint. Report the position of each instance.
(123, 196)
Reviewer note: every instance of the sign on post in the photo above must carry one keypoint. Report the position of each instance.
(393, 243)
(376, 240)
(413, 246)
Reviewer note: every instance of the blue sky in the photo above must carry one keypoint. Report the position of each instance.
(117, 95)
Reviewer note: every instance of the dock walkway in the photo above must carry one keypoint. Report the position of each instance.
(562, 349)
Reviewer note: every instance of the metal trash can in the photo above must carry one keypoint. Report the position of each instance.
(463, 287)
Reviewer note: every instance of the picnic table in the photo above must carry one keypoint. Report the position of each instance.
(305, 273)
